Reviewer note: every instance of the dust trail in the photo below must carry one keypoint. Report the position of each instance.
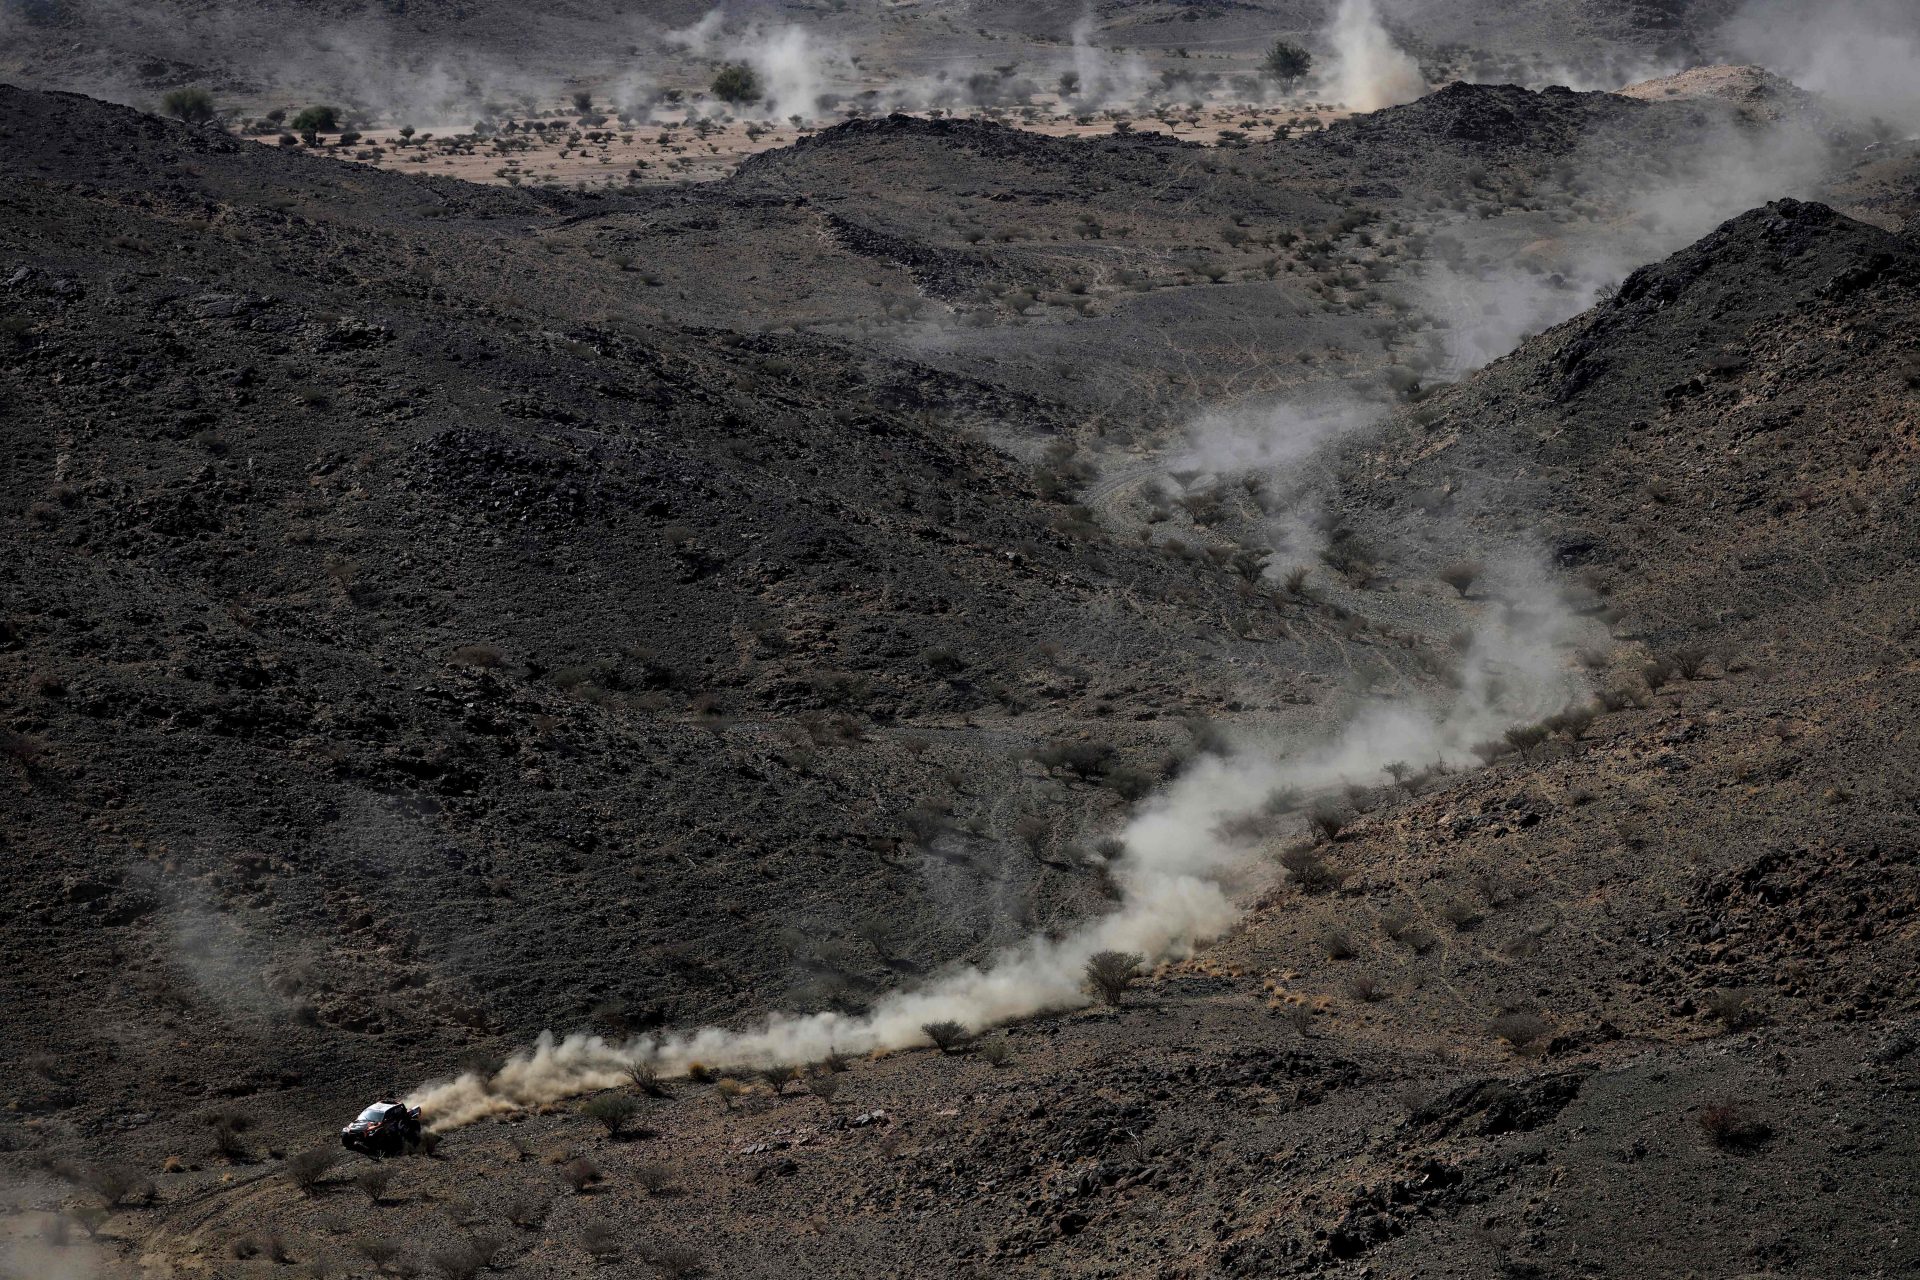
(1370, 71)
(1182, 873)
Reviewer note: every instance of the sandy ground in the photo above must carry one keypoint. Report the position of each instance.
(563, 150)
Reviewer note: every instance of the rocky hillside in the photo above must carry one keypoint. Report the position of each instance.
(445, 613)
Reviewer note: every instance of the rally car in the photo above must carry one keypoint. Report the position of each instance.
(383, 1129)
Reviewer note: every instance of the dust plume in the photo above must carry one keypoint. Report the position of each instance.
(1863, 54)
(1183, 870)
(1369, 71)
(1490, 287)
(796, 68)
(1105, 78)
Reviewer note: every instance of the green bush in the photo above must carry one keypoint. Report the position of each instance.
(317, 119)
(736, 83)
(193, 105)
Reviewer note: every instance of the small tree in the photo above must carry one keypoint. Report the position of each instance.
(1112, 972)
(824, 1087)
(613, 1110)
(192, 105)
(1287, 63)
(946, 1036)
(316, 120)
(736, 83)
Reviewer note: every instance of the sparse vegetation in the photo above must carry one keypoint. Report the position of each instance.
(1307, 867)
(1732, 1127)
(580, 1174)
(1520, 1028)
(374, 1179)
(778, 1076)
(736, 83)
(945, 1036)
(192, 105)
(1326, 820)
(1110, 973)
(316, 120)
(613, 1110)
(116, 1184)
(307, 1169)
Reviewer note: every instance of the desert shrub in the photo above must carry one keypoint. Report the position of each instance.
(193, 105)
(1033, 831)
(1615, 699)
(1525, 737)
(1110, 973)
(824, 1086)
(525, 1209)
(645, 1078)
(996, 1053)
(657, 1179)
(116, 1184)
(943, 661)
(1306, 867)
(1461, 575)
(1732, 1127)
(373, 1180)
(676, 1261)
(1689, 662)
(601, 1239)
(1085, 760)
(464, 1259)
(306, 1169)
(1248, 564)
(1655, 674)
(1461, 913)
(1574, 722)
(580, 1174)
(23, 749)
(613, 1110)
(779, 1076)
(1326, 819)
(946, 1036)
(317, 119)
(1336, 942)
(1366, 988)
(379, 1250)
(485, 657)
(227, 1126)
(1519, 1028)
(1404, 927)
(728, 1090)
(1733, 1009)
(736, 83)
